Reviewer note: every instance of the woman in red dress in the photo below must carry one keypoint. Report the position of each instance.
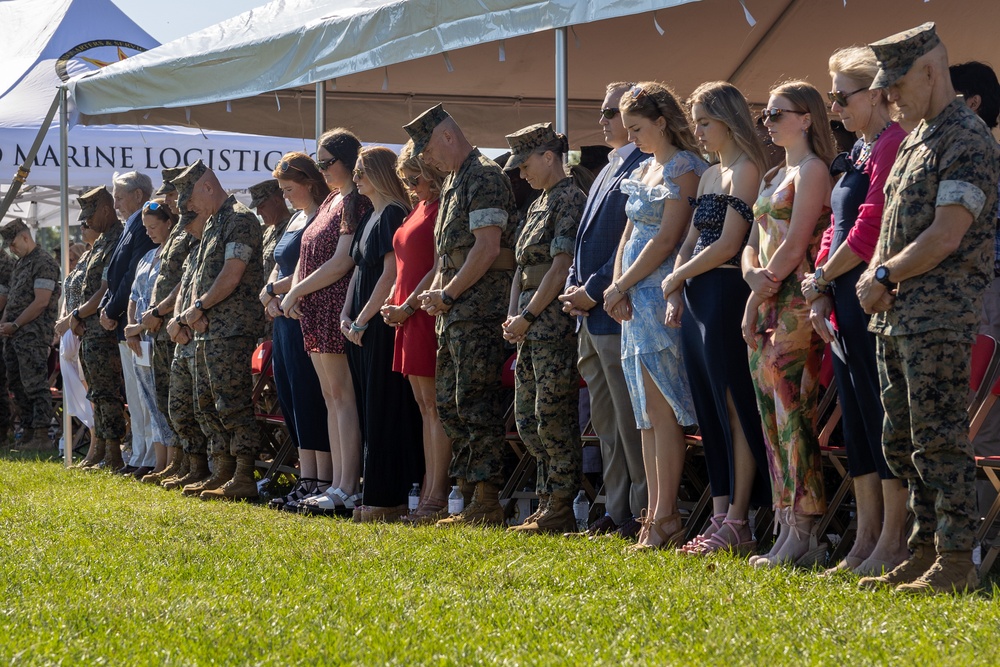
(316, 298)
(416, 343)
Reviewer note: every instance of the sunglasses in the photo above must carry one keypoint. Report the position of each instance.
(636, 92)
(411, 181)
(84, 225)
(775, 114)
(152, 206)
(609, 112)
(323, 165)
(359, 173)
(838, 97)
(285, 165)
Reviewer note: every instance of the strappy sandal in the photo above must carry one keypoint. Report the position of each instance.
(729, 537)
(814, 554)
(694, 545)
(305, 487)
(654, 527)
(335, 502)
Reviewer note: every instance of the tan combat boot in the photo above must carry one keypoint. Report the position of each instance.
(224, 466)
(484, 510)
(952, 572)
(94, 454)
(197, 473)
(183, 460)
(909, 570)
(557, 518)
(543, 501)
(168, 471)
(242, 485)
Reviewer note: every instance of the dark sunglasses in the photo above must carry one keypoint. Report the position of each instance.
(411, 181)
(609, 112)
(775, 114)
(285, 165)
(84, 225)
(839, 97)
(323, 165)
(359, 173)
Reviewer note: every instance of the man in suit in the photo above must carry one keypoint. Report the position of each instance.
(131, 190)
(600, 355)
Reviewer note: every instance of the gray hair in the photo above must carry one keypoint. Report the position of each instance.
(134, 180)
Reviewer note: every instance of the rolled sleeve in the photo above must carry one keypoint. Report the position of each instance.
(561, 244)
(240, 251)
(488, 217)
(45, 283)
(961, 193)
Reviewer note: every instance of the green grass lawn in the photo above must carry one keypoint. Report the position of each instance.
(101, 570)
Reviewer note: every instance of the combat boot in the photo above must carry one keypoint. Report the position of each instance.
(909, 570)
(224, 466)
(468, 490)
(952, 572)
(94, 454)
(543, 501)
(171, 470)
(484, 510)
(242, 485)
(197, 473)
(557, 518)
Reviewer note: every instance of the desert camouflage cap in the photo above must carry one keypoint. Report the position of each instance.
(897, 54)
(169, 175)
(261, 191)
(187, 178)
(12, 229)
(420, 128)
(526, 141)
(89, 201)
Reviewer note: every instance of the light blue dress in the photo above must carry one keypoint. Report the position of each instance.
(646, 340)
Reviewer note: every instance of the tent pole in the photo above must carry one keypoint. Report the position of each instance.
(562, 90)
(29, 159)
(67, 425)
(320, 109)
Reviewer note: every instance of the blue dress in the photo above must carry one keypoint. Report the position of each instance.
(646, 340)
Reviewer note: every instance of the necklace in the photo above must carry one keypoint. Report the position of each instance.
(866, 149)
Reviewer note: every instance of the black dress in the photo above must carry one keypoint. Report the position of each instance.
(389, 416)
(716, 355)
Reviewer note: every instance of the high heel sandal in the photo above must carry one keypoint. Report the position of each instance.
(814, 554)
(694, 545)
(729, 537)
(654, 527)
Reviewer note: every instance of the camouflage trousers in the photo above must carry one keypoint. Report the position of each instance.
(469, 360)
(27, 360)
(5, 424)
(188, 426)
(924, 379)
(223, 366)
(102, 368)
(546, 409)
(163, 357)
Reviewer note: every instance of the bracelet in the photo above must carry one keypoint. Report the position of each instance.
(358, 329)
(617, 288)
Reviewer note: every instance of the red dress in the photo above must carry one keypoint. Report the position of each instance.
(416, 344)
(320, 317)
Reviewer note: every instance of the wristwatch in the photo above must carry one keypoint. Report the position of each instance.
(447, 300)
(407, 308)
(199, 306)
(528, 316)
(882, 275)
(156, 313)
(76, 315)
(270, 289)
(818, 277)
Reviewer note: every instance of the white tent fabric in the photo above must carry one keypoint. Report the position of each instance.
(45, 45)
(492, 61)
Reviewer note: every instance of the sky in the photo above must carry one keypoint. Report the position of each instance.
(166, 21)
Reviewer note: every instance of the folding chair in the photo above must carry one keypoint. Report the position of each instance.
(983, 374)
(264, 398)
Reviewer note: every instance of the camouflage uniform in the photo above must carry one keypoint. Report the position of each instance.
(470, 350)
(7, 262)
(547, 384)
(925, 338)
(102, 367)
(189, 423)
(26, 353)
(224, 350)
(175, 250)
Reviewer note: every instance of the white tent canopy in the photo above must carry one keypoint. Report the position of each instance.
(493, 61)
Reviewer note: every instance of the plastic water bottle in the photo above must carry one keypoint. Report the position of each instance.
(581, 510)
(413, 500)
(456, 501)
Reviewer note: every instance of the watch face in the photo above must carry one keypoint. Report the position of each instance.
(881, 273)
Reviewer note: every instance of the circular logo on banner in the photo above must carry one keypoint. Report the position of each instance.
(102, 52)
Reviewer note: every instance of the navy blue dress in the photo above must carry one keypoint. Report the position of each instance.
(299, 393)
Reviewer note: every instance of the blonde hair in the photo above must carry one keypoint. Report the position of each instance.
(653, 100)
(804, 97)
(379, 164)
(855, 62)
(408, 163)
(725, 103)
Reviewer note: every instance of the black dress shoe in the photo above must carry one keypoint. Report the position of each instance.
(139, 473)
(602, 526)
(127, 470)
(629, 530)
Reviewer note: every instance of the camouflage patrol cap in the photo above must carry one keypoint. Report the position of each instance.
(90, 200)
(186, 217)
(12, 229)
(897, 54)
(262, 191)
(526, 141)
(189, 176)
(420, 128)
(169, 175)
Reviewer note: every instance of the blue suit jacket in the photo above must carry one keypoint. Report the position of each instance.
(133, 244)
(597, 241)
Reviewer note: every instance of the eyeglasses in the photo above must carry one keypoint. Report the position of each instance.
(152, 206)
(838, 97)
(323, 165)
(609, 112)
(411, 181)
(775, 114)
(285, 165)
(359, 173)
